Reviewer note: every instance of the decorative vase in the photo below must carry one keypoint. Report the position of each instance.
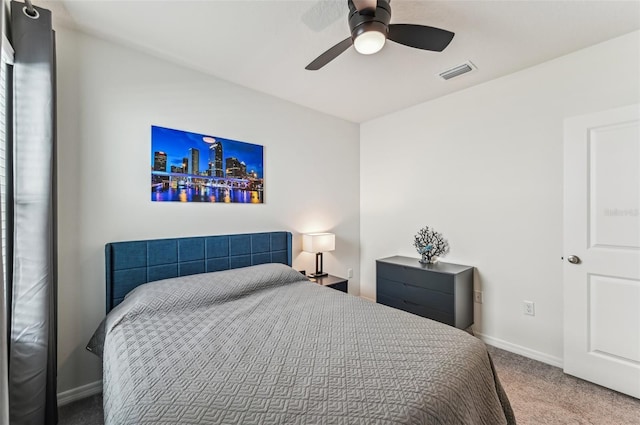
(427, 259)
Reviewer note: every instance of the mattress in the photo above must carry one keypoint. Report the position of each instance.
(264, 345)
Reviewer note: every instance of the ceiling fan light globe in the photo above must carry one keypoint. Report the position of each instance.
(369, 42)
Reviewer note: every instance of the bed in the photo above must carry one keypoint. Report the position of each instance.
(221, 330)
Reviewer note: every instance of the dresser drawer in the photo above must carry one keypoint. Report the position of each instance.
(415, 294)
(419, 310)
(416, 277)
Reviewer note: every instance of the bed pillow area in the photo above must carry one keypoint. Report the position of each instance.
(196, 291)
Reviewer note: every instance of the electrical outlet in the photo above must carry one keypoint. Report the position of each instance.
(477, 296)
(349, 273)
(530, 308)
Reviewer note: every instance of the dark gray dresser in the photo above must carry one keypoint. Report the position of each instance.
(440, 291)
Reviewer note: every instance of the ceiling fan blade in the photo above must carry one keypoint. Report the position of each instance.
(420, 36)
(329, 55)
(361, 5)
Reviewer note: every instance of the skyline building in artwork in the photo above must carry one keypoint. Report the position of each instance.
(215, 160)
(194, 156)
(233, 167)
(159, 161)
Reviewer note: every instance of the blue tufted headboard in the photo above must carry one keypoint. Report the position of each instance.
(130, 264)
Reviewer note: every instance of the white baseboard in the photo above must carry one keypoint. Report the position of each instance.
(523, 351)
(83, 391)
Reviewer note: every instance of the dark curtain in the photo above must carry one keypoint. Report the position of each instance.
(32, 350)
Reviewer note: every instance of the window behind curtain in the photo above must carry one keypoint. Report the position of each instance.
(6, 58)
(5, 74)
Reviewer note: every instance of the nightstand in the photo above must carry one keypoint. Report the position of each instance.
(332, 282)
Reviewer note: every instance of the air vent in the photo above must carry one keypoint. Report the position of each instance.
(457, 70)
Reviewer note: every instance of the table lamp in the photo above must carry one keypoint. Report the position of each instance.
(318, 243)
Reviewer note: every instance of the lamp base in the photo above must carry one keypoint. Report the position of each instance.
(319, 272)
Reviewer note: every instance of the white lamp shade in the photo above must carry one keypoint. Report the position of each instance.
(369, 42)
(318, 242)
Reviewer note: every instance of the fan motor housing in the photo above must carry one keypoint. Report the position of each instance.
(368, 20)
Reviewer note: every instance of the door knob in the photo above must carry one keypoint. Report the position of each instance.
(573, 259)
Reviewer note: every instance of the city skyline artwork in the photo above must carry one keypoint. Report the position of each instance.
(193, 167)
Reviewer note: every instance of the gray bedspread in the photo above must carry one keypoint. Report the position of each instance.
(263, 345)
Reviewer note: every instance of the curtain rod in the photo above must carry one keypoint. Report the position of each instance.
(30, 9)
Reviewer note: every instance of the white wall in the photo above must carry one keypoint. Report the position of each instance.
(108, 98)
(484, 167)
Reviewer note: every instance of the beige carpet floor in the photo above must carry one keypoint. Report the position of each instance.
(540, 395)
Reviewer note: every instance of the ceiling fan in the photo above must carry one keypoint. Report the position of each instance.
(369, 24)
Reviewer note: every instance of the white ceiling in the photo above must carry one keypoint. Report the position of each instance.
(265, 44)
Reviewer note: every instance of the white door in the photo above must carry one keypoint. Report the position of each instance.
(602, 248)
